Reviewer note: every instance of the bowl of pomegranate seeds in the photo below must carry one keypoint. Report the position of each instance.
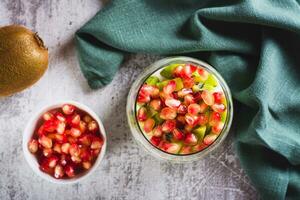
(64, 142)
(179, 109)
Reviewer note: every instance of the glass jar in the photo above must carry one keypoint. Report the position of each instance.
(139, 135)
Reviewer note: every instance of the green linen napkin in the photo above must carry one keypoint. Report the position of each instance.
(254, 44)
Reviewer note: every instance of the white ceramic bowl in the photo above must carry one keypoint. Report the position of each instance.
(31, 159)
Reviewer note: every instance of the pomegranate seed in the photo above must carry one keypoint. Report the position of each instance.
(61, 138)
(64, 159)
(218, 96)
(47, 152)
(168, 126)
(190, 139)
(57, 148)
(168, 113)
(75, 132)
(149, 125)
(48, 116)
(58, 171)
(214, 118)
(170, 87)
(74, 150)
(50, 125)
(45, 141)
(69, 170)
(178, 135)
(87, 119)
(171, 147)
(217, 128)
(197, 96)
(155, 140)
(157, 131)
(82, 126)
(156, 104)
(52, 161)
(73, 120)
(76, 159)
(93, 126)
(187, 71)
(172, 103)
(142, 114)
(194, 109)
(191, 120)
(33, 146)
(188, 82)
(186, 150)
(203, 119)
(218, 108)
(95, 152)
(142, 98)
(86, 140)
(86, 165)
(203, 107)
(184, 91)
(65, 148)
(45, 166)
(97, 143)
(155, 92)
(199, 147)
(86, 155)
(68, 109)
(60, 117)
(61, 127)
(188, 99)
(41, 131)
(194, 68)
(182, 109)
(178, 71)
(207, 97)
(209, 139)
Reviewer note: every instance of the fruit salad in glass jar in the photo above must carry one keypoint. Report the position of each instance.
(180, 109)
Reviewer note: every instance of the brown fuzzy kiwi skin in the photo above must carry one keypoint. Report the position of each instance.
(23, 59)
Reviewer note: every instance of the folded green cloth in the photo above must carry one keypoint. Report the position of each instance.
(254, 44)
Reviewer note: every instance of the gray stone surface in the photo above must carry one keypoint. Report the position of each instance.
(127, 172)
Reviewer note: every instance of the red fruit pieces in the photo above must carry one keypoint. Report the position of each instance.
(156, 104)
(190, 139)
(218, 96)
(218, 108)
(178, 135)
(214, 118)
(194, 109)
(65, 144)
(209, 139)
(168, 126)
(172, 103)
(170, 87)
(142, 114)
(155, 140)
(207, 97)
(168, 113)
(149, 125)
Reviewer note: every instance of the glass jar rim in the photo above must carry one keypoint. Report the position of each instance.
(139, 135)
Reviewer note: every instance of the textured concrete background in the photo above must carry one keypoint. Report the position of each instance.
(127, 172)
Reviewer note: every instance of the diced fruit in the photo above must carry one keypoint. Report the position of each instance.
(217, 128)
(190, 139)
(76, 159)
(92, 126)
(178, 135)
(33, 146)
(189, 99)
(186, 150)
(209, 139)
(218, 108)
(68, 109)
(75, 132)
(182, 109)
(199, 147)
(184, 91)
(72, 139)
(60, 117)
(45, 142)
(52, 161)
(152, 80)
(203, 107)
(167, 72)
(57, 148)
(155, 140)
(207, 97)
(74, 150)
(69, 170)
(170, 87)
(168, 113)
(214, 118)
(168, 126)
(149, 125)
(188, 82)
(157, 119)
(179, 84)
(74, 120)
(218, 96)
(194, 109)
(50, 125)
(208, 87)
(171, 147)
(191, 120)
(82, 126)
(211, 80)
(156, 104)
(202, 119)
(172, 103)
(188, 128)
(58, 171)
(157, 131)
(200, 132)
(86, 140)
(142, 98)
(60, 127)
(200, 75)
(87, 119)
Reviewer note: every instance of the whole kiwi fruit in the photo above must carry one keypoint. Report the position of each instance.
(23, 59)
